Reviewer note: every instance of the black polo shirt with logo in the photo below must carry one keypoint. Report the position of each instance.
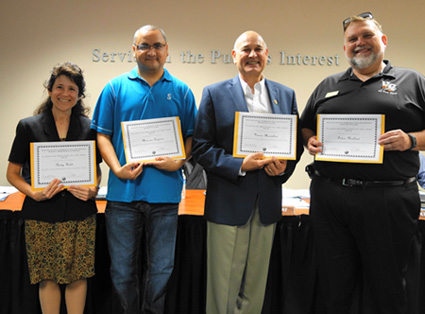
(398, 93)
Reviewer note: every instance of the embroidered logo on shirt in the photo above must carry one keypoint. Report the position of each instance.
(388, 88)
(169, 97)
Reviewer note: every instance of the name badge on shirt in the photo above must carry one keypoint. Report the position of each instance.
(332, 94)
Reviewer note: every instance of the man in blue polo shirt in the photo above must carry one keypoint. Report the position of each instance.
(142, 197)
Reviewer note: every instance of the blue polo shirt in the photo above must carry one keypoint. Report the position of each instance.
(126, 98)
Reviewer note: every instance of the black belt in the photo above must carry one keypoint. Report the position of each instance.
(358, 183)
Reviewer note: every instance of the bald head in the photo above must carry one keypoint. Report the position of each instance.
(250, 55)
(249, 34)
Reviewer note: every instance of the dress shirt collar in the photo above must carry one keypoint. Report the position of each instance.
(259, 101)
(259, 87)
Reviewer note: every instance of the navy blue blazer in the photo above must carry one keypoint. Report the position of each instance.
(231, 198)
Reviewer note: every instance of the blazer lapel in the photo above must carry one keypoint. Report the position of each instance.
(49, 125)
(74, 128)
(274, 95)
(236, 91)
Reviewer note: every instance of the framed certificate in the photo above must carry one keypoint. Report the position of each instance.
(272, 134)
(144, 140)
(350, 138)
(74, 163)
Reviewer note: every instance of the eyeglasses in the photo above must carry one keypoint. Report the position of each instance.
(146, 47)
(365, 15)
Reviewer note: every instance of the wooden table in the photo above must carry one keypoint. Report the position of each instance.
(15, 200)
(192, 204)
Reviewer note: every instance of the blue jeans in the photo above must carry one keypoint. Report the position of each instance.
(127, 224)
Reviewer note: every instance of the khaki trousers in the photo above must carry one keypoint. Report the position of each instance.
(237, 266)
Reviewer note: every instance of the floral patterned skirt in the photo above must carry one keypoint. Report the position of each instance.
(62, 252)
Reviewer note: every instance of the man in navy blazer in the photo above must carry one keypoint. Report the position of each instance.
(243, 201)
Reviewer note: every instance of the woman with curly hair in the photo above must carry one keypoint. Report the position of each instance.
(60, 222)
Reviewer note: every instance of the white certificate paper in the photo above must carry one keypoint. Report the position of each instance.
(73, 162)
(350, 138)
(144, 140)
(272, 134)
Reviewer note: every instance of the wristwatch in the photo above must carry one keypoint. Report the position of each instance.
(413, 139)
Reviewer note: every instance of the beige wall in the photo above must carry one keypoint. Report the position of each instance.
(36, 35)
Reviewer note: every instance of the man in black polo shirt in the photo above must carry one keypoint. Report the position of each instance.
(365, 215)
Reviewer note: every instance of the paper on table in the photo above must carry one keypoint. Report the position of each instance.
(291, 193)
(101, 194)
(295, 202)
(293, 199)
(5, 191)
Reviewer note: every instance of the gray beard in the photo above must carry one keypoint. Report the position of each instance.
(362, 63)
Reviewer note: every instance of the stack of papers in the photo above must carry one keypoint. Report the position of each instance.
(422, 196)
(5, 191)
(293, 199)
(101, 194)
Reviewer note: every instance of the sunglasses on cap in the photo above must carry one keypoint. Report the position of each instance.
(365, 15)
